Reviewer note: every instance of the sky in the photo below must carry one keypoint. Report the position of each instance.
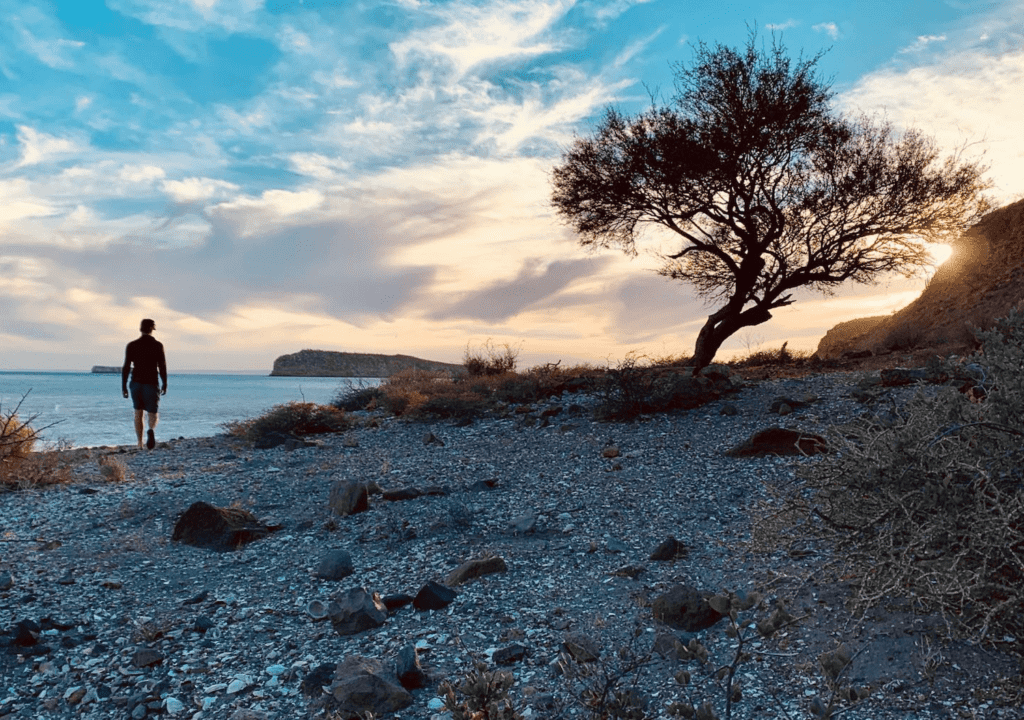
(264, 176)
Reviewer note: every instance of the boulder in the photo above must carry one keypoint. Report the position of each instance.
(335, 565)
(408, 670)
(582, 648)
(318, 678)
(780, 441)
(362, 687)
(355, 611)
(510, 654)
(204, 525)
(348, 497)
(685, 608)
(474, 569)
(669, 549)
(433, 596)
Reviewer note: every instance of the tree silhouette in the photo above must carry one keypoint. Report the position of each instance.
(768, 186)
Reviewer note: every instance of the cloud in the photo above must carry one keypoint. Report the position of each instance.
(38, 147)
(534, 283)
(782, 26)
(829, 28)
(465, 35)
(17, 203)
(922, 42)
(196, 189)
(193, 15)
(967, 95)
(605, 11)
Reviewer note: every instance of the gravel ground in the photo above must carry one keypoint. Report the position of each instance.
(94, 565)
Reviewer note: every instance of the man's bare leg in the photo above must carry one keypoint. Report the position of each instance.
(151, 441)
(138, 426)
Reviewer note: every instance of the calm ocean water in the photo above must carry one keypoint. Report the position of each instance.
(91, 411)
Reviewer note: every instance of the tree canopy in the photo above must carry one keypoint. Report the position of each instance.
(766, 184)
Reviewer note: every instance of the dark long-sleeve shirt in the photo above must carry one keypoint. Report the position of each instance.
(145, 358)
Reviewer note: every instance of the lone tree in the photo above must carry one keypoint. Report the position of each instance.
(768, 186)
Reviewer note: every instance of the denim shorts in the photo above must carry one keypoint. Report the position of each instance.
(144, 397)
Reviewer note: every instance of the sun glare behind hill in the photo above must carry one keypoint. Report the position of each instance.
(940, 253)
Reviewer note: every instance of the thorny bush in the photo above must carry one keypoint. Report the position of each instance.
(298, 418)
(20, 467)
(928, 504)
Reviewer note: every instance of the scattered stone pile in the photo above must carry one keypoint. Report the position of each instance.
(355, 575)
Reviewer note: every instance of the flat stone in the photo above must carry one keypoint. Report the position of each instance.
(147, 657)
(474, 569)
(510, 654)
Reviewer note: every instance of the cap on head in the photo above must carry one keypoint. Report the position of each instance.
(147, 326)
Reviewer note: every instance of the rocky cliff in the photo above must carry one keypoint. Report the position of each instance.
(327, 363)
(982, 280)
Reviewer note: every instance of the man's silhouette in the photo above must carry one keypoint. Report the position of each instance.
(145, 358)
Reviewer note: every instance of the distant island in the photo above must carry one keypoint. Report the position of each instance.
(328, 363)
(108, 369)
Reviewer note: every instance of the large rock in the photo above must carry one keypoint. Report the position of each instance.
(335, 565)
(348, 497)
(363, 687)
(780, 441)
(408, 670)
(204, 525)
(326, 363)
(355, 611)
(433, 596)
(685, 608)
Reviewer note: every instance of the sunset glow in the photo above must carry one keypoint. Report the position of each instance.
(263, 176)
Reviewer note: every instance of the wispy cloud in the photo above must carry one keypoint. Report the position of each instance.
(829, 28)
(922, 42)
(782, 26)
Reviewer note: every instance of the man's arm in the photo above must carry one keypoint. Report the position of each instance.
(162, 367)
(125, 369)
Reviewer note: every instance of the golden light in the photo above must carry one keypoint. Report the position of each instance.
(940, 253)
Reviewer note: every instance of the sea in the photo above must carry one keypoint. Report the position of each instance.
(87, 410)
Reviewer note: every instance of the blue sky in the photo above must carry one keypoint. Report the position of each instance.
(262, 176)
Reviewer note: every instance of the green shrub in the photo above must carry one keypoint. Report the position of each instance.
(297, 418)
(930, 504)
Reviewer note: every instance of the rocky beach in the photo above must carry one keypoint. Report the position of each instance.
(104, 615)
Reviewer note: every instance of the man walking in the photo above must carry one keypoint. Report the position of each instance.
(145, 358)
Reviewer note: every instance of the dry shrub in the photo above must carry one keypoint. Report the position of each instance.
(418, 393)
(112, 469)
(490, 359)
(772, 358)
(929, 505)
(20, 467)
(297, 418)
(905, 336)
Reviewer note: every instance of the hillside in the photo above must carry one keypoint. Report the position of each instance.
(327, 363)
(982, 280)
